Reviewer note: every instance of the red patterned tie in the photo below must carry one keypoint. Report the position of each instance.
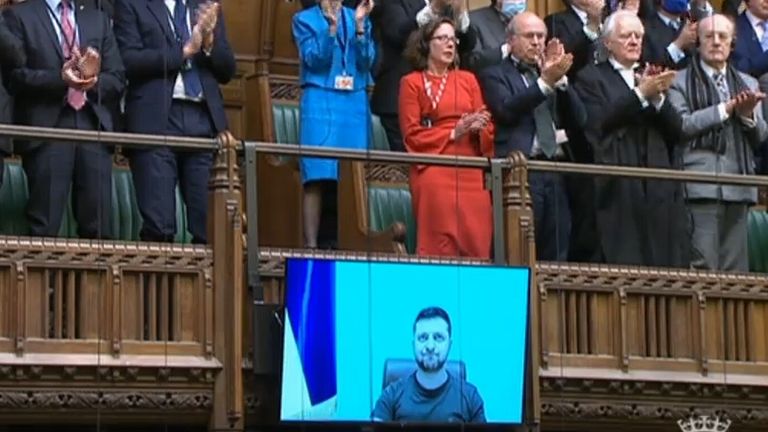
(75, 98)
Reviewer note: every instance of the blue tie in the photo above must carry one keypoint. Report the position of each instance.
(192, 86)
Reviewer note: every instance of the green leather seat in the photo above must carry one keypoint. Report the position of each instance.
(390, 203)
(379, 139)
(285, 122)
(757, 241)
(13, 200)
(126, 218)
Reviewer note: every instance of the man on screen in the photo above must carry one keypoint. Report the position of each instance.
(431, 393)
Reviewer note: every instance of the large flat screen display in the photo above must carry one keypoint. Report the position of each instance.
(373, 341)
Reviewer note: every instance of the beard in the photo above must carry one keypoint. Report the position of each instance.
(431, 363)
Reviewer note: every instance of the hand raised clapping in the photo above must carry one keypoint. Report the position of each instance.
(555, 62)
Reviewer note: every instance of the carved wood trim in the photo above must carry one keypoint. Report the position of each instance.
(73, 400)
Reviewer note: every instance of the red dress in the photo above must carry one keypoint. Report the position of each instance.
(451, 206)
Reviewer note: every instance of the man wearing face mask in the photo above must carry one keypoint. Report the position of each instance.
(670, 35)
(490, 25)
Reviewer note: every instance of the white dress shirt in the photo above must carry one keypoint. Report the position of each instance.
(179, 92)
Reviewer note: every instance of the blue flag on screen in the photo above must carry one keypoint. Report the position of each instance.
(310, 305)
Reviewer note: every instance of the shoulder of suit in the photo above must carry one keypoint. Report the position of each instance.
(748, 79)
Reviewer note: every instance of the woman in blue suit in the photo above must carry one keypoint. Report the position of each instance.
(337, 52)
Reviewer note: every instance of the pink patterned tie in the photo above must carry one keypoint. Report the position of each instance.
(75, 98)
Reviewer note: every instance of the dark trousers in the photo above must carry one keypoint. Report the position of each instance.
(391, 125)
(551, 216)
(53, 167)
(156, 172)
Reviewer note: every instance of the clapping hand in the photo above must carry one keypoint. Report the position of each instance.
(207, 18)
(473, 122)
(362, 11)
(745, 102)
(555, 62)
(654, 81)
(73, 75)
(89, 64)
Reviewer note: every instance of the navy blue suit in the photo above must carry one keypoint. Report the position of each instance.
(748, 55)
(512, 102)
(151, 46)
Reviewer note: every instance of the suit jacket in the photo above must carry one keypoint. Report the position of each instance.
(107, 6)
(748, 56)
(512, 102)
(696, 122)
(321, 57)
(490, 26)
(569, 29)
(658, 36)
(641, 222)
(153, 59)
(396, 20)
(40, 92)
(11, 56)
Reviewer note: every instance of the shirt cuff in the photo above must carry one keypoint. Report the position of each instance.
(659, 103)
(562, 84)
(748, 122)
(464, 22)
(722, 111)
(591, 34)
(643, 101)
(544, 87)
(424, 16)
(675, 53)
(504, 51)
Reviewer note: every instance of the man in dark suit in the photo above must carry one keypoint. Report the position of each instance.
(490, 26)
(533, 109)
(578, 28)
(11, 56)
(395, 22)
(750, 54)
(631, 123)
(174, 64)
(58, 86)
(670, 33)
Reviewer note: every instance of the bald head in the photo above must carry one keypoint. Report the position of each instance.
(526, 34)
(715, 39)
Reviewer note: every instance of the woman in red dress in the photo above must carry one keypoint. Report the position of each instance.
(442, 112)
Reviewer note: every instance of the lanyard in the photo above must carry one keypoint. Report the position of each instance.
(435, 100)
(70, 42)
(343, 42)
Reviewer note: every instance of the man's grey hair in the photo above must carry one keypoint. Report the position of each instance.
(511, 28)
(613, 19)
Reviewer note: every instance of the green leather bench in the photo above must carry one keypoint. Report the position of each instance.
(387, 202)
(126, 219)
(757, 241)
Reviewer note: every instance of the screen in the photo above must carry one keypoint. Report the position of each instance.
(404, 342)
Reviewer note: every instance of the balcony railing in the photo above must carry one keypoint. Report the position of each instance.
(130, 327)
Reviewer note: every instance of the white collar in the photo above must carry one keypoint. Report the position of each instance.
(582, 14)
(710, 70)
(620, 67)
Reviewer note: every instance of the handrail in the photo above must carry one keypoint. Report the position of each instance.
(131, 140)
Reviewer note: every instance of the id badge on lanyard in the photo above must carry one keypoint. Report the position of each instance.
(345, 81)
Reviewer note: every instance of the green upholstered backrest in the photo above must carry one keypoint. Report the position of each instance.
(126, 218)
(285, 122)
(379, 139)
(757, 241)
(390, 202)
(13, 200)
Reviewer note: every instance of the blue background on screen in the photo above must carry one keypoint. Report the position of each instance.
(376, 304)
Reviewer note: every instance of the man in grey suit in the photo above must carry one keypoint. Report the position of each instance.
(490, 25)
(722, 125)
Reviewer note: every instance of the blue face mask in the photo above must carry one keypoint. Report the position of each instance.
(511, 9)
(676, 7)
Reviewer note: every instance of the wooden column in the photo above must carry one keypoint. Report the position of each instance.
(225, 234)
(521, 251)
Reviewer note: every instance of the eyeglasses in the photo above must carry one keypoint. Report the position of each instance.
(446, 38)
